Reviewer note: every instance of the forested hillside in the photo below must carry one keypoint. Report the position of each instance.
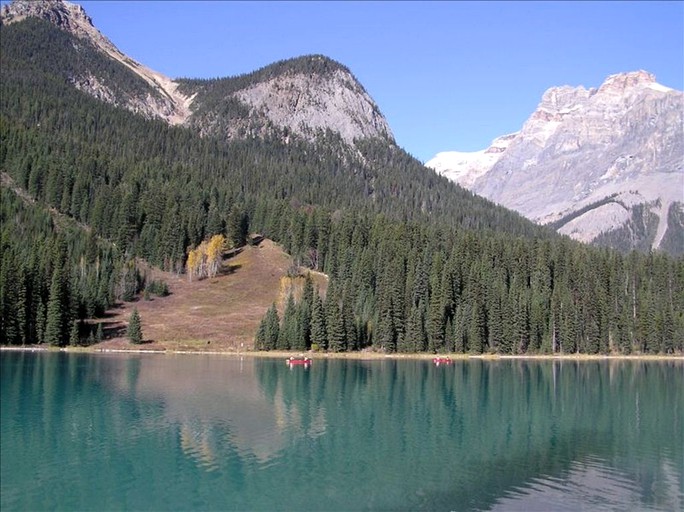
(416, 262)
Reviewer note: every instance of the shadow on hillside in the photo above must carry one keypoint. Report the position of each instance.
(113, 310)
(229, 269)
(232, 253)
(113, 330)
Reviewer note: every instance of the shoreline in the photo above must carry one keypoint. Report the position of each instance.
(367, 355)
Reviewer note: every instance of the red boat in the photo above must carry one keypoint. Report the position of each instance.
(298, 361)
(441, 360)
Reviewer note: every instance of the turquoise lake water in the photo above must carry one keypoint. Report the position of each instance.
(197, 432)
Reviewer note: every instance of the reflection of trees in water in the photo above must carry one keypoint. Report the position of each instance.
(369, 434)
(488, 424)
(198, 443)
(296, 396)
(132, 372)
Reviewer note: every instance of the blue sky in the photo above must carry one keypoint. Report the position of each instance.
(446, 75)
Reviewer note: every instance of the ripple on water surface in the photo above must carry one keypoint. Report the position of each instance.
(592, 484)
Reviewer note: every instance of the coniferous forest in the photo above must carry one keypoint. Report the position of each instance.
(416, 263)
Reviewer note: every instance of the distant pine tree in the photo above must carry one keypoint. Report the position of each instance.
(134, 331)
(74, 338)
(319, 336)
(54, 328)
(287, 337)
(267, 335)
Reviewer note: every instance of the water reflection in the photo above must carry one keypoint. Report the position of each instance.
(365, 435)
(507, 425)
(592, 484)
(248, 403)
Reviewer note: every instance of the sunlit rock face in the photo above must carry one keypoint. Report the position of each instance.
(602, 165)
(306, 103)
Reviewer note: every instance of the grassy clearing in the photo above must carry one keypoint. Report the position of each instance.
(217, 314)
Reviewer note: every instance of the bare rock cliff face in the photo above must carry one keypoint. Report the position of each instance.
(307, 103)
(304, 97)
(603, 165)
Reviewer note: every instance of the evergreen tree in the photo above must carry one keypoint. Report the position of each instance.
(215, 224)
(287, 336)
(319, 336)
(301, 340)
(349, 323)
(74, 338)
(477, 335)
(495, 318)
(436, 320)
(414, 340)
(335, 328)
(134, 331)
(435, 324)
(40, 322)
(237, 226)
(460, 345)
(55, 332)
(304, 309)
(13, 305)
(268, 332)
(334, 322)
(385, 335)
(449, 336)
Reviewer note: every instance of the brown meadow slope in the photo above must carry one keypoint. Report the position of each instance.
(216, 314)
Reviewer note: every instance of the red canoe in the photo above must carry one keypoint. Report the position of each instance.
(441, 360)
(298, 361)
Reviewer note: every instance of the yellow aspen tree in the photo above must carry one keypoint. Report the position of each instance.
(202, 260)
(214, 254)
(205, 260)
(191, 264)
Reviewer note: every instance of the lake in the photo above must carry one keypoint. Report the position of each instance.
(199, 432)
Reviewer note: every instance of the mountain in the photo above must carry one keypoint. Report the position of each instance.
(141, 90)
(305, 96)
(106, 181)
(602, 165)
(307, 118)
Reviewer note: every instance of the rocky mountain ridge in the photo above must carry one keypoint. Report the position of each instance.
(163, 101)
(295, 102)
(602, 165)
(307, 96)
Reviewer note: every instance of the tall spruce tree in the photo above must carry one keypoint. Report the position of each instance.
(134, 331)
(319, 335)
(55, 328)
(287, 336)
(74, 336)
(267, 334)
(335, 328)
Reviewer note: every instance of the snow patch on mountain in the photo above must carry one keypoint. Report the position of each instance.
(465, 168)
